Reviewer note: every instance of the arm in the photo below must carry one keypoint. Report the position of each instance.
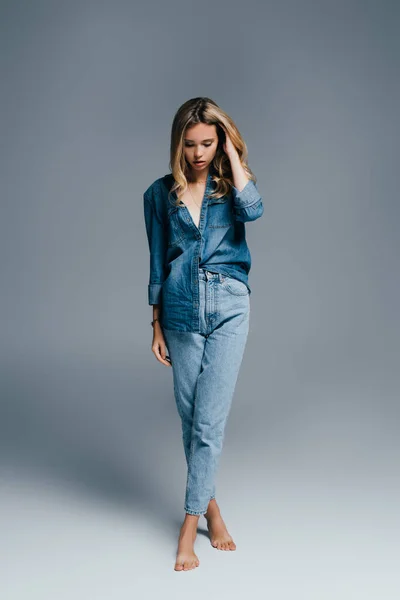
(157, 242)
(156, 311)
(157, 246)
(247, 202)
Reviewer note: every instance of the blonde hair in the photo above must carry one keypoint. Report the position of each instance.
(205, 110)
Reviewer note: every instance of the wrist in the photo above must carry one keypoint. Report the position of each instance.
(234, 157)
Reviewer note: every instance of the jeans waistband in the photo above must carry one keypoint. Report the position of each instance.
(206, 274)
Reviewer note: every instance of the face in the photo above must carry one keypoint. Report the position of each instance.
(200, 144)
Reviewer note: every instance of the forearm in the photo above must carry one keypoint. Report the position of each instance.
(247, 202)
(240, 178)
(156, 311)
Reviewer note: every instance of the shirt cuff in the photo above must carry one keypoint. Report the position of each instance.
(248, 196)
(154, 293)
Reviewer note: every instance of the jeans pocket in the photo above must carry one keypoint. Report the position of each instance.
(234, 286)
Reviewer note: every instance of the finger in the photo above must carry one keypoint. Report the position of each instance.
(165, 362)
(161, 359)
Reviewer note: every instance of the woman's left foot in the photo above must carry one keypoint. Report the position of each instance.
(219, 535)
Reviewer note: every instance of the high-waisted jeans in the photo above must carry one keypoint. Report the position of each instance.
(205, 367)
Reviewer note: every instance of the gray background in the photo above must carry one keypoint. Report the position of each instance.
(92, 465)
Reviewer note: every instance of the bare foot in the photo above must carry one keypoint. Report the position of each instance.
(219, 535)
(186, 559)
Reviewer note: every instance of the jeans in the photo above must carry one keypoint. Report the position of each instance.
(205, 367)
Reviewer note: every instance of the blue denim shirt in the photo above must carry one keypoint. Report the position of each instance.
(178, 248)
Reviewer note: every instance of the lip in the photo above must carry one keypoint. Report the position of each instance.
(199, 162)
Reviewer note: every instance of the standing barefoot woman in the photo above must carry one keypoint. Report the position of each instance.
(199, 264)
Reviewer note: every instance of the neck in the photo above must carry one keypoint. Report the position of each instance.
(199, 176)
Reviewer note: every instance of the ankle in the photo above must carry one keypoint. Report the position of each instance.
(212, 509)
(190, 521)
(189, 517)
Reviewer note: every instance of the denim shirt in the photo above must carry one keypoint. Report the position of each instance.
(178, 248)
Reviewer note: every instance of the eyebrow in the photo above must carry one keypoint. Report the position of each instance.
(207, 140)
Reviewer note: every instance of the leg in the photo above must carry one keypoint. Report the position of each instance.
(216, 382)
(186, 352)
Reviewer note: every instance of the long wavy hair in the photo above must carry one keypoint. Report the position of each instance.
(205, 110)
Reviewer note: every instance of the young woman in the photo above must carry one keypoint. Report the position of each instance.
(199, 264)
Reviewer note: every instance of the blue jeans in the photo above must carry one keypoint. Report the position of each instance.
(205, 367)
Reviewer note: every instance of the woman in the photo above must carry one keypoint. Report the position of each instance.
(198, 287)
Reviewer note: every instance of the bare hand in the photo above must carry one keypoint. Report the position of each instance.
(158, 346)
(228, 146)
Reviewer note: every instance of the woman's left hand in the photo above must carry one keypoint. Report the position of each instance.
(228, 146)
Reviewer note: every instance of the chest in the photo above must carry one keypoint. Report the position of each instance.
(212, 221)
(193, 203)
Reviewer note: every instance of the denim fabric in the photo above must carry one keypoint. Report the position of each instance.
(178, 248)
(205, 366)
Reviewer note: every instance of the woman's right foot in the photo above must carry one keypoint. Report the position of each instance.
(186, 558)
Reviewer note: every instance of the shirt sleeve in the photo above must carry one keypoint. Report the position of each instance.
(247, 204)
(156, 237)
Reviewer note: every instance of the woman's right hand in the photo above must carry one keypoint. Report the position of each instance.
(158, 345)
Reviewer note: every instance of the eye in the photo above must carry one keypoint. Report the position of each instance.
(191, 145)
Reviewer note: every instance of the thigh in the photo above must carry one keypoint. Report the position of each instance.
(186, 351)
(233, 309)
(223, 354)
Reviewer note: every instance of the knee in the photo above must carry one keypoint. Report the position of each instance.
(209, 434)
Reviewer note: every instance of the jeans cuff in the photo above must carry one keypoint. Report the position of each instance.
(195, 512)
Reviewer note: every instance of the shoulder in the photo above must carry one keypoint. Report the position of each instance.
(159, 188)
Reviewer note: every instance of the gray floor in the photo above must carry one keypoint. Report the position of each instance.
(92, 483)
